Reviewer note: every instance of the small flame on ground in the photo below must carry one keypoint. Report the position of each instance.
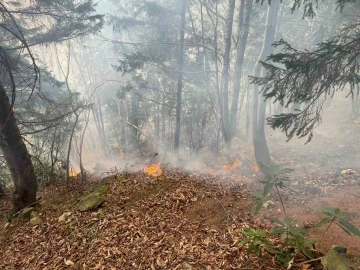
(232, 166)
(73, 173)
(154, 170)
(122, 154)
(256, 168)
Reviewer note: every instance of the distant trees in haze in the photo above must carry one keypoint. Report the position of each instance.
(181, 77)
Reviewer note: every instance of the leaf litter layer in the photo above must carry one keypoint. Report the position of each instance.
(174, 221)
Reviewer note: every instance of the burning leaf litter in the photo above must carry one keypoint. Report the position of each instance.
(154, 170)
(179, 222)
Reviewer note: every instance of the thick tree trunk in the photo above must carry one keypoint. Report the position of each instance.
(16, 156)
(225, 76)
(239, 63)
(180, 76)
(261, 150)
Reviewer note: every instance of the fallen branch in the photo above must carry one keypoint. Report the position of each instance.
(18, 212)
(353, 195)
(229, 215)
(310, 261)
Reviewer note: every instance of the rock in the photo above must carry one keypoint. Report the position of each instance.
(339, 249)
(93, 200)
(186, 265)
(347, 172)
(334, 260)
(26, 212)
(97, 214)
(35, 218)
(65, 217)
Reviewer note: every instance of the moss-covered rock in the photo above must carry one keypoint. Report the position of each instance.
(26, 212)
(334, 260)
(93, 200)
(35, 218)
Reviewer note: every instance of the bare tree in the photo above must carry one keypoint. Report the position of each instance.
(262, 155)
(180, 76)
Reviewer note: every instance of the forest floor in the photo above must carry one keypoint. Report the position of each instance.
(178, 220)
(193, 217)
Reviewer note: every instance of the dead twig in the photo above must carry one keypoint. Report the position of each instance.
(353, 195)
(310, 261)
(227, 212)
(18, 212)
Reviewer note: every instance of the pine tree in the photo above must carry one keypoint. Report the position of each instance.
(309, 77)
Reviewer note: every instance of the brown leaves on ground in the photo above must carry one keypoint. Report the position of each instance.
(176, 221)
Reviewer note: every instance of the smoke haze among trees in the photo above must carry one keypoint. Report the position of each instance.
(86, 86)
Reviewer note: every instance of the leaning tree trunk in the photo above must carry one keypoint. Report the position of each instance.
(16, 156)
(261, 150)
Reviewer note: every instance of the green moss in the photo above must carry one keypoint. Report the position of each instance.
(93, 200)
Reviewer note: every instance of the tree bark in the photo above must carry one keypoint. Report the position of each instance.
(225, 76)
(180, 77)
(134, 120)
(261, 150)
(239, 63)
(16, 156)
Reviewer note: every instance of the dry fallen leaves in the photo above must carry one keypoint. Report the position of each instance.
(144, 225)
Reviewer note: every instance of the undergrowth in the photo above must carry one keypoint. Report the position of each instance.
(293, 239)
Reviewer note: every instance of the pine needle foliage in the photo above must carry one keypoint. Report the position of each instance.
(300, 76)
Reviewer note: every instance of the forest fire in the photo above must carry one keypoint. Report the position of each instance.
(232, 166)
(73, 173)
(154, 170)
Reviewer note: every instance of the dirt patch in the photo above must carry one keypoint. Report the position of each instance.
(305, 212)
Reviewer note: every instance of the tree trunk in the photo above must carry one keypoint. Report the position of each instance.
(82, 169)
(261, 150)
(69, 149)
(16, 156)
(122, 115)
(134, 120)
(225, 76)
(239, 64)
(180, 76)
(97, 115)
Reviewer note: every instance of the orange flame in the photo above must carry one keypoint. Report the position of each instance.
(154, 170)
(256, 168)
(233, 166)
(122, 154)
(73, 173)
